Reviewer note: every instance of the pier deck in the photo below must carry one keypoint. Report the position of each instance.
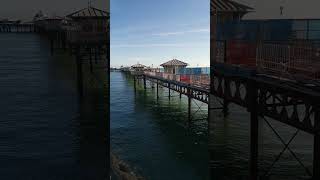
(195, 86)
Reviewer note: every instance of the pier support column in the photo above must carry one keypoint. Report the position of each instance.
(225, 108)
(79, 71)
(64, 42)
(144, 82)
(95, 56)
(254, 133)
(189, 107)
(51, 47)
(225, 101)
(157, 89)
(316, 148)
(169, 91)
(90, 59)
(134, 83)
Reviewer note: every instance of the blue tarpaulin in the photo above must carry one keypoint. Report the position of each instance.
(196, 70)
(269, 30)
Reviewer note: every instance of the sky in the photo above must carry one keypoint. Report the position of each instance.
(26, 9)
(152, 32)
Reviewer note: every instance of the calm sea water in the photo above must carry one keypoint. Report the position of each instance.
(45, 132)
(150, 135)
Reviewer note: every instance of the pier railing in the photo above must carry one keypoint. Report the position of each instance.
(87, 37)
(197, 80)
(282, 59)
(286, 60)
(17, 28)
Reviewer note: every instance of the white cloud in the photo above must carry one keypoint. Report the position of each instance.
(206, 30)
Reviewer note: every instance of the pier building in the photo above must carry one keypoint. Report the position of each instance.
(174, 66)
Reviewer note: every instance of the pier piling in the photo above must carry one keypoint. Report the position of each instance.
(316, 148)
(95, 56)
(225, 108)
(189, 106)
(157, 89)
(144, 83)
(225, 101)
(134, 82)
(254, 134)
(79, 71)
(90, 59)
(51, 47)
(169, 91)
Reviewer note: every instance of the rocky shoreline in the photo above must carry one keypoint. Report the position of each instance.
(122, 170)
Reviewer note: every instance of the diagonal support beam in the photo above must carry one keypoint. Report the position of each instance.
(289, 149)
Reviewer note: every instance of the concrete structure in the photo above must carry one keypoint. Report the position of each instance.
(173, 66)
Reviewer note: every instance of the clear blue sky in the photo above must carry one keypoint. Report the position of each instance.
(154, 31)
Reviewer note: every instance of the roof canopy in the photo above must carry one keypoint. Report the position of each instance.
(174, 62)
(138, 66)
(89, 12)
(229, 6)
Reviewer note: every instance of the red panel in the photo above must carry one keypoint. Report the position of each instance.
(185, 78)
(241, 53)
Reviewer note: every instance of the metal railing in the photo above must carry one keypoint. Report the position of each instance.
(88, 37)
(294, 59)
(197, 80)
(284, 59)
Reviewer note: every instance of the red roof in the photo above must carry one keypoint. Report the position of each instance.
(174, 62)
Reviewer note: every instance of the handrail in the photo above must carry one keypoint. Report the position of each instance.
(197, 80)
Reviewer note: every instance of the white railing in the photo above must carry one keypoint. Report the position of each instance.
(289, 59)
